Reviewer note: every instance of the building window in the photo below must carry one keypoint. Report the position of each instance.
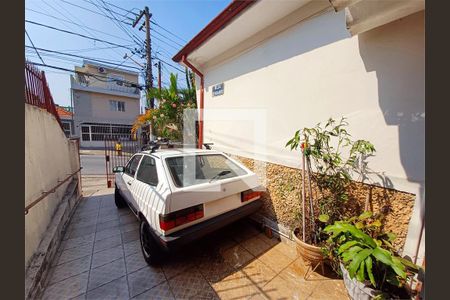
(66, 128)
(100, 132)
(116, 105)
(85, 133)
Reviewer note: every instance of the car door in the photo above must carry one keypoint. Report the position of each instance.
(128, 177)
(146, 193)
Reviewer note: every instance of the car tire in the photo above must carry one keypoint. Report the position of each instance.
(118, 199)
(150, 250)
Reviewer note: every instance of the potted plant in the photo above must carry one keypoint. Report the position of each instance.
(323, 149)
(370, 265)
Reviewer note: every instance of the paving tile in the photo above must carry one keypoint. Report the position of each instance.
(159, 292)
(107, 224)
(237, 256)
(87, 230)
(295, 271)
(129, 227)
(107, 243)
(275, 260)
(75, 242)
(242, 230)
(144, 279)
(214, 268)
(287, 248)
(280, 288)
(106, 273)
(106, 256)
(329, 289)
(132, 247)
(235, 286)
(108, 212)
(175, 265)
(82, 225)
(75, 253)
(127, 219)
(100, 235)
(258, 273)
(130, 236)
(68, 288)
(256, 245)
(188, 284)
(79, 297)
(116, 289)
(135, 262)
(107, 217)
(70, 269)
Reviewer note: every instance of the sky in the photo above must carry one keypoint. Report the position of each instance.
(177, 22)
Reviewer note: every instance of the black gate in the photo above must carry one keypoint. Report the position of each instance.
(117, 153)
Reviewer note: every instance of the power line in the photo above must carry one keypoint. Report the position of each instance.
(169, 32)
(83, 57)
(78, 34)
(92, 11)
(91, 49)
(167, 38)
(117, 23)
(34, 46)
(90, 2)
(68, 21)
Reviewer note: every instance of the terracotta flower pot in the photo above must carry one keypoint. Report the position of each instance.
(309, 253)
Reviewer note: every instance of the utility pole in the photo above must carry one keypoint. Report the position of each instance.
(159, 75)
(148, 44)
(187, 78)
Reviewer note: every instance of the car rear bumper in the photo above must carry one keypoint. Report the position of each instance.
(181, 237)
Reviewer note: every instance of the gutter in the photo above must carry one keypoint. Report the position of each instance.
(219, 22)
(201, 102)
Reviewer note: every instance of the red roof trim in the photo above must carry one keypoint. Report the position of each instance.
(219, 22)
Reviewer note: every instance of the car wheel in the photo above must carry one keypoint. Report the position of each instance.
(118, 199)
(150, 250)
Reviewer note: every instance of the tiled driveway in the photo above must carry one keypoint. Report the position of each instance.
(100, 258)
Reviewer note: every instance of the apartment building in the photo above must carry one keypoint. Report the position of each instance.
(106, 101)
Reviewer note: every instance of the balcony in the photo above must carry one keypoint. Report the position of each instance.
(99, 86)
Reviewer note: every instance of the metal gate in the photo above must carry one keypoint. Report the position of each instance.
(115, 158)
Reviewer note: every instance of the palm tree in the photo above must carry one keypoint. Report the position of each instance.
(167, 118)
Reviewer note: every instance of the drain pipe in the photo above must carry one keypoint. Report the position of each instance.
(202, 85)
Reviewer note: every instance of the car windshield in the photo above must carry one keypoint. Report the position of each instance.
(195, 169)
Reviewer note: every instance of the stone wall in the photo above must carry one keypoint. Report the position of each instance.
(282, 199)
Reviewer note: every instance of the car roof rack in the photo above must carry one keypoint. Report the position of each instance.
(164, 143)
(208, 145)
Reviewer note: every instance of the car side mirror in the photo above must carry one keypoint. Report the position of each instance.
(118, 169)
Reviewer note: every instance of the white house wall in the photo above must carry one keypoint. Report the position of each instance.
(316, 70)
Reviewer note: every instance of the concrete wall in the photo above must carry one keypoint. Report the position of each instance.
(94, 107)
(49, 157)
(316, 70)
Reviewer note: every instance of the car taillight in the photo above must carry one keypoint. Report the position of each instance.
(250, 195)
(180, 217)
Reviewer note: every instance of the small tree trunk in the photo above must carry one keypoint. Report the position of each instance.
(311, 204)
(303, 195)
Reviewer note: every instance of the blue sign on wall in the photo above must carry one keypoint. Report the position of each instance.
(218, 89)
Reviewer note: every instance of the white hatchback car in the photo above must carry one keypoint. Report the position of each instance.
(182, 194)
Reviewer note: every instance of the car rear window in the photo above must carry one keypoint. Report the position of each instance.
(195, 169)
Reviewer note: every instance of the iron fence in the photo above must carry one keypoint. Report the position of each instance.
(37, 92)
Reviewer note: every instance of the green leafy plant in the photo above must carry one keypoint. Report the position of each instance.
(167, 118)
(367, 253)
(334, 157)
